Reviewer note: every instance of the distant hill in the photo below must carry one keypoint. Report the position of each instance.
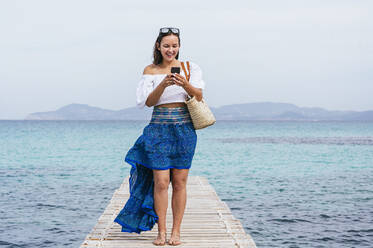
(245, 111)
(85, 112)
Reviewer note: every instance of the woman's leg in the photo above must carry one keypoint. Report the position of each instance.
(179, 197)
(161, 183)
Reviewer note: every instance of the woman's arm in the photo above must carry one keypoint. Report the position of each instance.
(155, 95)
(188, 87)
(193, 91)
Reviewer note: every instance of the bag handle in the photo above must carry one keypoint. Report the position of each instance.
(187, 75)
(185, 72)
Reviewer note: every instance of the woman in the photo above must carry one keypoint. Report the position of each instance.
(165, 150)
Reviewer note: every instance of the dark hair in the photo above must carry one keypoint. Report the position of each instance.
(157, 56)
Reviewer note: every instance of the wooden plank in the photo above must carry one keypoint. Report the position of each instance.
(207, 221)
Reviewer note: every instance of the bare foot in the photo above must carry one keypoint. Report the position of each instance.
(161, 239)
(175, 239)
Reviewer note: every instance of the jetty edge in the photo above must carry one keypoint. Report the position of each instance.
(207, 221)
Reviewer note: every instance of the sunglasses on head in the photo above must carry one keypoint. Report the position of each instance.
(167, 30)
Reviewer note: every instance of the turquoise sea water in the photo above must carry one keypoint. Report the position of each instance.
(291, 184)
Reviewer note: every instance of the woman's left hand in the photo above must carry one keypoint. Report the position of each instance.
(187, 86)
(180, 80)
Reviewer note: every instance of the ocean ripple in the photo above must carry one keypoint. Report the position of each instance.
(302, 140)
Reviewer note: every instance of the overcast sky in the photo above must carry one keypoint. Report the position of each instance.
(309, 53)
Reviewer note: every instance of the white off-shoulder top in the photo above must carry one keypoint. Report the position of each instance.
(172, 93)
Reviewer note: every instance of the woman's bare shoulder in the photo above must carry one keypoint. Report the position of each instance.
(149, 69)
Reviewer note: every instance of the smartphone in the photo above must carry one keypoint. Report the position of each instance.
(175, 70)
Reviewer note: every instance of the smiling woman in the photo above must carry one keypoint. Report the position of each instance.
(165, 150)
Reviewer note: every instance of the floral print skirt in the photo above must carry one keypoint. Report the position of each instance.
(168, 141)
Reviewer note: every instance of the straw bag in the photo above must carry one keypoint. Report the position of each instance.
(199, 111)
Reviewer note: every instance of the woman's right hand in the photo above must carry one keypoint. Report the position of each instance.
(167, 81)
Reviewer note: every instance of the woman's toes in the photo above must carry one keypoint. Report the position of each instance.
(174, 240)
(160, 240)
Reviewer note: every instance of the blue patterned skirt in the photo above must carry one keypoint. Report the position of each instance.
(168, 141)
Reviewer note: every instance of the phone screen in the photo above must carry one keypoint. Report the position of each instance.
(175, 70)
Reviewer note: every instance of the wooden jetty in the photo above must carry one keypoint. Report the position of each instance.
(207, 222)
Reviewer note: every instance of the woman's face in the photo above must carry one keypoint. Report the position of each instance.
(169, 47)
